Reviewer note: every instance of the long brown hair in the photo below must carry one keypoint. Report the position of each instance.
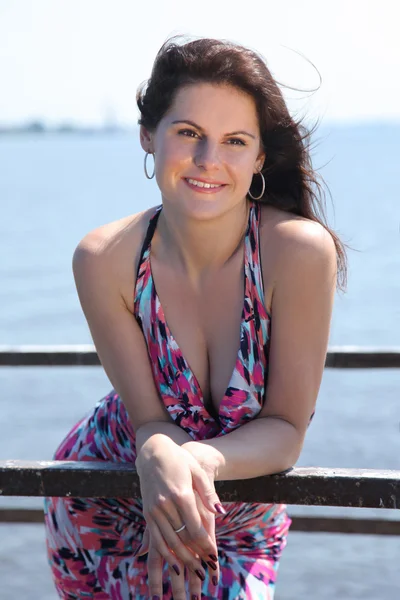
(292, 183)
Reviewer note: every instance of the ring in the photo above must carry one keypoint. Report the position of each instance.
(180, 529)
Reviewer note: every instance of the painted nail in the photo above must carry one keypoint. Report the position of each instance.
(212, 565)
(200, 575)
(214, 580)
(137, 550)
(213, 557)
(156, 598)
(176, 569)
(195, 597)
(219, 508)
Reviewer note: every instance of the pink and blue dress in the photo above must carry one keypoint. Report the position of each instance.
(91, 541)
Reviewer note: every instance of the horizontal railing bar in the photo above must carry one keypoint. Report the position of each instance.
(80, 355)
(310, 524)
(302, 485)
(316, 524)
(21, 515)
(84, 355)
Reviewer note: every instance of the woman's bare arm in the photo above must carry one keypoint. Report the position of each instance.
(104, 266)
(301, 312)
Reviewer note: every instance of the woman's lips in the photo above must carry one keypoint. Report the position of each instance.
(204, 187)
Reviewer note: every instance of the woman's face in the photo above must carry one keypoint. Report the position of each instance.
(207, 148)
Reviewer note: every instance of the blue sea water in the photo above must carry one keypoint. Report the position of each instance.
(55, 189)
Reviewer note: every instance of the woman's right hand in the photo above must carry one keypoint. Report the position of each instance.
(179, 586)
(172, 482)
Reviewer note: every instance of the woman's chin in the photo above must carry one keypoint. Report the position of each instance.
(203, 206)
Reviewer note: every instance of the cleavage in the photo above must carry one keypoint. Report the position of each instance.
(205, 325)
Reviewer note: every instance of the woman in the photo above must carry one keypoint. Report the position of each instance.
(210, 315)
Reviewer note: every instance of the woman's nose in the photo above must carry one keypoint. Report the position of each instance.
(206, 155)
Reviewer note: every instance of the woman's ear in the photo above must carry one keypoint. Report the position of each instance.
(146, 139)
(259, 162)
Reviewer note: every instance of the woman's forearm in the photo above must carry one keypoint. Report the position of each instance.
(261, 447)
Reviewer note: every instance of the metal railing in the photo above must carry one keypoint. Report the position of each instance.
(310, 486)
(84, 355)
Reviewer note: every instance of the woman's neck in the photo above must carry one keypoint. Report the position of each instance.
(198, 247)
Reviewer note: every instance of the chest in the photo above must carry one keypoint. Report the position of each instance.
(205, 322)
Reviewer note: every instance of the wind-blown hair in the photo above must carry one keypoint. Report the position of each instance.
(292, 184)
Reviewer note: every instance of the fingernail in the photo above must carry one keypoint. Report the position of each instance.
(156, 597)
(212, 565)
(137, 550)
(214, 580)
(200, 575)
(176, 569)
(219, 508)
(195, 597)
(213, 557)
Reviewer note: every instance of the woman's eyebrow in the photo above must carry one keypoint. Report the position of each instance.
(193, 124)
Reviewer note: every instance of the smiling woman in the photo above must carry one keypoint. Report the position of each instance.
(180, 300)
(191, 151)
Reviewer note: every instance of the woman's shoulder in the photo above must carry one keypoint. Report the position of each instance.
(111, 252)
(292, 245)
(112, 237)
(283, 232)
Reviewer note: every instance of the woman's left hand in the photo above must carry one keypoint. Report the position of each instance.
(207, 456)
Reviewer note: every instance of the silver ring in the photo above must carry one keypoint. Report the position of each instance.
(180, 529)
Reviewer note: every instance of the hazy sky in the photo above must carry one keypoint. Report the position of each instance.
(82, 60)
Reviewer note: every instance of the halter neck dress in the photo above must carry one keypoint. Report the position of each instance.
(91, 542)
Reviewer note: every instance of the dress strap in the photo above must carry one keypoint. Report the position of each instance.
(143, 273)
(148, 237)
(253, 267)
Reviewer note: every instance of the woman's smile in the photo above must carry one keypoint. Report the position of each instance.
(204, 186)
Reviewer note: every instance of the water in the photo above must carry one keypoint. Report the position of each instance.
(53, 190)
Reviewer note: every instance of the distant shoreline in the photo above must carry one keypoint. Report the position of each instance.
(38, 128)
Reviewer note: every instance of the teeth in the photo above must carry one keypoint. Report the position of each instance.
(202, 184)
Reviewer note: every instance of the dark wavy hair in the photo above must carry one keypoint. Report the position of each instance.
(292, 183)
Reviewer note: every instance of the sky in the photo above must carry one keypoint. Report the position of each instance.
(81, 61)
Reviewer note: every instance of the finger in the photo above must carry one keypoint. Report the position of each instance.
(209, 523)
(178, 583)
(144, 546)
(206, 490)
(199, 537)
(194, 586)
(177, 510)
(155, 571)
(208, 561)
(178, 548)
(194, 539)
(169, 520)
(207, 517)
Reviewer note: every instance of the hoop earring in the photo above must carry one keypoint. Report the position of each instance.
(262, 191)
(145, 165)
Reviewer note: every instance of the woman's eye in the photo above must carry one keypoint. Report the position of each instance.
(193, 134)
(187, 132)
(236, 142)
